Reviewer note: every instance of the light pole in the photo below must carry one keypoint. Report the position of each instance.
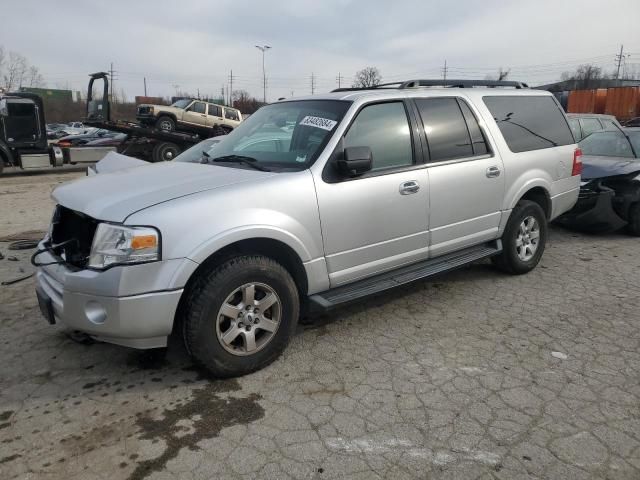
(263, 48)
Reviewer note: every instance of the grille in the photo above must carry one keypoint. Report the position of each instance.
(71, 236)
(143, 110)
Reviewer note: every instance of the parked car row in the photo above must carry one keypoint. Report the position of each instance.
(58, 130)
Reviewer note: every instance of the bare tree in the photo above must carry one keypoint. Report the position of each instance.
(244, 102)
(501, 75)
(367, 77)
(34, 77)
(16, 70)
(585, 76)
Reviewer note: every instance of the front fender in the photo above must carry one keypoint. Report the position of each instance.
(228, 237)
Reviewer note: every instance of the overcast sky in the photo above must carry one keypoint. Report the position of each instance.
(195, 43)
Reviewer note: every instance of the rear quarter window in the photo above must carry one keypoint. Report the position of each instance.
(529, 122)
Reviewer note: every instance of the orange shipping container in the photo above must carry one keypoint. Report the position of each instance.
(601, 100)
(582, 101)
(623, 102)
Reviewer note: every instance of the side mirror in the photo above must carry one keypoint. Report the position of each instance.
(355, 161)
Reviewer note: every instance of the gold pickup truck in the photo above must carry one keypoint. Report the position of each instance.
(188, 115)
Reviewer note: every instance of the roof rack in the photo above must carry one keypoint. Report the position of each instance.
(439, 83)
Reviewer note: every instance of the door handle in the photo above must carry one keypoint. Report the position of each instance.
(493, 172)
(407, 188)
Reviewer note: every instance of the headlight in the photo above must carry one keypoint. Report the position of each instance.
(115, 244)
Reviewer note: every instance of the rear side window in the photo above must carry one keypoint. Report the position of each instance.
(590, 125)
(451, 128)
(215, 110)
(477, 139)
(529, 123)
(231, 114)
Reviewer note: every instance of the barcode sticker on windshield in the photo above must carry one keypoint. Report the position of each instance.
(323, 123)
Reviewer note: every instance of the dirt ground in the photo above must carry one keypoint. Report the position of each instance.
(476, 375)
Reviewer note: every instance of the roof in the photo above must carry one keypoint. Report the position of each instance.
(599, 115)
(389, 93)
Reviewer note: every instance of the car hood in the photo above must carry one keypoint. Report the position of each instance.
(114, 196)
(599, 167)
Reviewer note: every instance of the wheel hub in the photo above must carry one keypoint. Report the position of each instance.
(527, 238)
(248, 319)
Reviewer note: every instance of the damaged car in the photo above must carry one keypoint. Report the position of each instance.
(610, 189)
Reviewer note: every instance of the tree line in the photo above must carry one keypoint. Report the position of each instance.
(16, 71)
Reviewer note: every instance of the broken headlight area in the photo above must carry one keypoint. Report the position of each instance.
(81, 242)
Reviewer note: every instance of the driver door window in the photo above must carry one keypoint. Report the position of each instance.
(195, 114)
(384, 128)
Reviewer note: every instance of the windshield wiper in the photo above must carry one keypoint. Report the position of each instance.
(250, 161)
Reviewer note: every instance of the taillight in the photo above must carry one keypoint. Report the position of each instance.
(577, 162)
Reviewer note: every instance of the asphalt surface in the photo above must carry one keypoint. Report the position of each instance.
(473, 375)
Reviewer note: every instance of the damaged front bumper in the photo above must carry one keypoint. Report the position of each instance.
(594, 211)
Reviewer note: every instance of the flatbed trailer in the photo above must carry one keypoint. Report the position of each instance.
(144, 142)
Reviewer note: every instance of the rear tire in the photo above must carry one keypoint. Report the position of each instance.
(523, 240)
(230, 327)
(166, 123)
(633, 227)
(164, 152)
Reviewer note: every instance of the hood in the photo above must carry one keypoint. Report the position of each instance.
(116, 195)
(599, 167)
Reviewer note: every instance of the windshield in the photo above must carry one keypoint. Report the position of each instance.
(287, 135)
(181, 103)
(607, 144)
(195, 154)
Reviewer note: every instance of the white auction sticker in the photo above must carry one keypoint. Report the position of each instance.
(323, 123)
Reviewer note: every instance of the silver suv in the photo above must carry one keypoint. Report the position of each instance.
(308, 204)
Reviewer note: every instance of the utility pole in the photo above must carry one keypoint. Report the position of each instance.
(444, 71)
(222, 93)
(198, 93)
(145, 85)
(619, 59)
(339, 80)
(263, 48)
(111, 82)
(313, 83)
(231, 88)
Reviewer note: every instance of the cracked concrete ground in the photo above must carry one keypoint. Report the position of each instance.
(473, 375)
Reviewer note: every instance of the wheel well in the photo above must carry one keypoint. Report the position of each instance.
(541, 197)
(167, 114)
(278, 251)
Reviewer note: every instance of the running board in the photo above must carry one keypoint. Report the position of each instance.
(400, 276)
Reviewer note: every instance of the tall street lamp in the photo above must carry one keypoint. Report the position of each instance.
(263, 48)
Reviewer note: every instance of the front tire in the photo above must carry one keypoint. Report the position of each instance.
(240, 315)
(523, 240)
(166, 124)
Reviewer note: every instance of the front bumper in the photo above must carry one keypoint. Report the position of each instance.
(593, 212)
(146, 118)
(95, 303)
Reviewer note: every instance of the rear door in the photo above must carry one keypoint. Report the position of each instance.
(214, 115)
(465, 175)
(195, 114)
